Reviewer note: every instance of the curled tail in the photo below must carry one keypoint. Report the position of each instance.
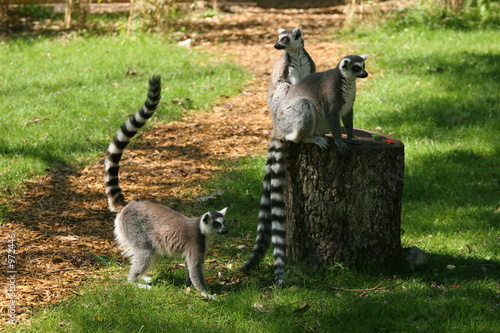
(272, 217)
(116, 200)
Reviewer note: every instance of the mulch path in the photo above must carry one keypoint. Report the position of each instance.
(61, 225)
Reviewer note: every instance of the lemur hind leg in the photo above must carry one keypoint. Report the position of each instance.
(142, 262)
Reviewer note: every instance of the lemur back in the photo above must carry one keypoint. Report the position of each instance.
(292, 66)
(311, 109)
(145, 230)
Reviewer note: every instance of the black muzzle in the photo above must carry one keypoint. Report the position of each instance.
(363, 75)
(279, 46)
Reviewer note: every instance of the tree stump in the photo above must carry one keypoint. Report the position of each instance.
(345, 208)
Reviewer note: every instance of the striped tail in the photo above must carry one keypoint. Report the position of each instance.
(272, 217)
(116, 200)
(264, 227)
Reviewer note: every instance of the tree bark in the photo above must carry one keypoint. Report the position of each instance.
(345, 208)
(68, 11)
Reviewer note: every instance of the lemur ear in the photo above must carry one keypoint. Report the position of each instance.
(296, 33)
(223, 211)
(281, 30)
(344, 63)
(364, 56)
(206, 218)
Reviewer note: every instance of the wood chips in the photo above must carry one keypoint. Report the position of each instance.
(61, 226)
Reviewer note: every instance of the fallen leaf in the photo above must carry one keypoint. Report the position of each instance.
(259, 307)
(212, 195)
(68, 238)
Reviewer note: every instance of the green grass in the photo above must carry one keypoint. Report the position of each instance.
(437, 91)
(62, 99)
(448, 120)
(117, 307)
(436, 298)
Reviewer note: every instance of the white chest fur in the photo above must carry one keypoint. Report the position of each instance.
(298, 69)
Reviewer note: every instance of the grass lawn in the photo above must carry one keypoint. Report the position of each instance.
(437, 91)
(61, 99)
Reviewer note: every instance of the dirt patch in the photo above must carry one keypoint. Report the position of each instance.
(61, 227)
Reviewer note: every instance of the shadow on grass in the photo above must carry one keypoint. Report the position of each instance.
(240, 182)
(458, 180)
(468, 266)
(414, 302)
(425, 298)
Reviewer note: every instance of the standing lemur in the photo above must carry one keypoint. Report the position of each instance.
(292, 66)
(312, 108)
(145, 230)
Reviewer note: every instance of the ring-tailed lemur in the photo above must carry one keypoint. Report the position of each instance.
(292, 66)
(145, 230)
(311, 109)
(314, 106)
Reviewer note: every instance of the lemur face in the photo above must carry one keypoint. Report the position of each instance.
(358, 69)
(353, 66)
(214, 222)
(289, 39)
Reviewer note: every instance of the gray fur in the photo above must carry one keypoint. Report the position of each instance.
(313, 107)
(146, 231)
(292, 66)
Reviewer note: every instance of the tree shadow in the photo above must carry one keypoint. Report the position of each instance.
(467, 266)
(456, 178)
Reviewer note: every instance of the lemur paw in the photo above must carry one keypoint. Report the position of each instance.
(342, 146)
(143, 286)
(320, 141)
(147, 279)
(353, 142)
(323, 144)
(208, 296)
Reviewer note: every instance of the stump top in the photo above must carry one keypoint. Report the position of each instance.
(374, 140)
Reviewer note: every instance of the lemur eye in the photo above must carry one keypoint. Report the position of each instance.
(217, 225)
(356, 68)
(286, 39)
